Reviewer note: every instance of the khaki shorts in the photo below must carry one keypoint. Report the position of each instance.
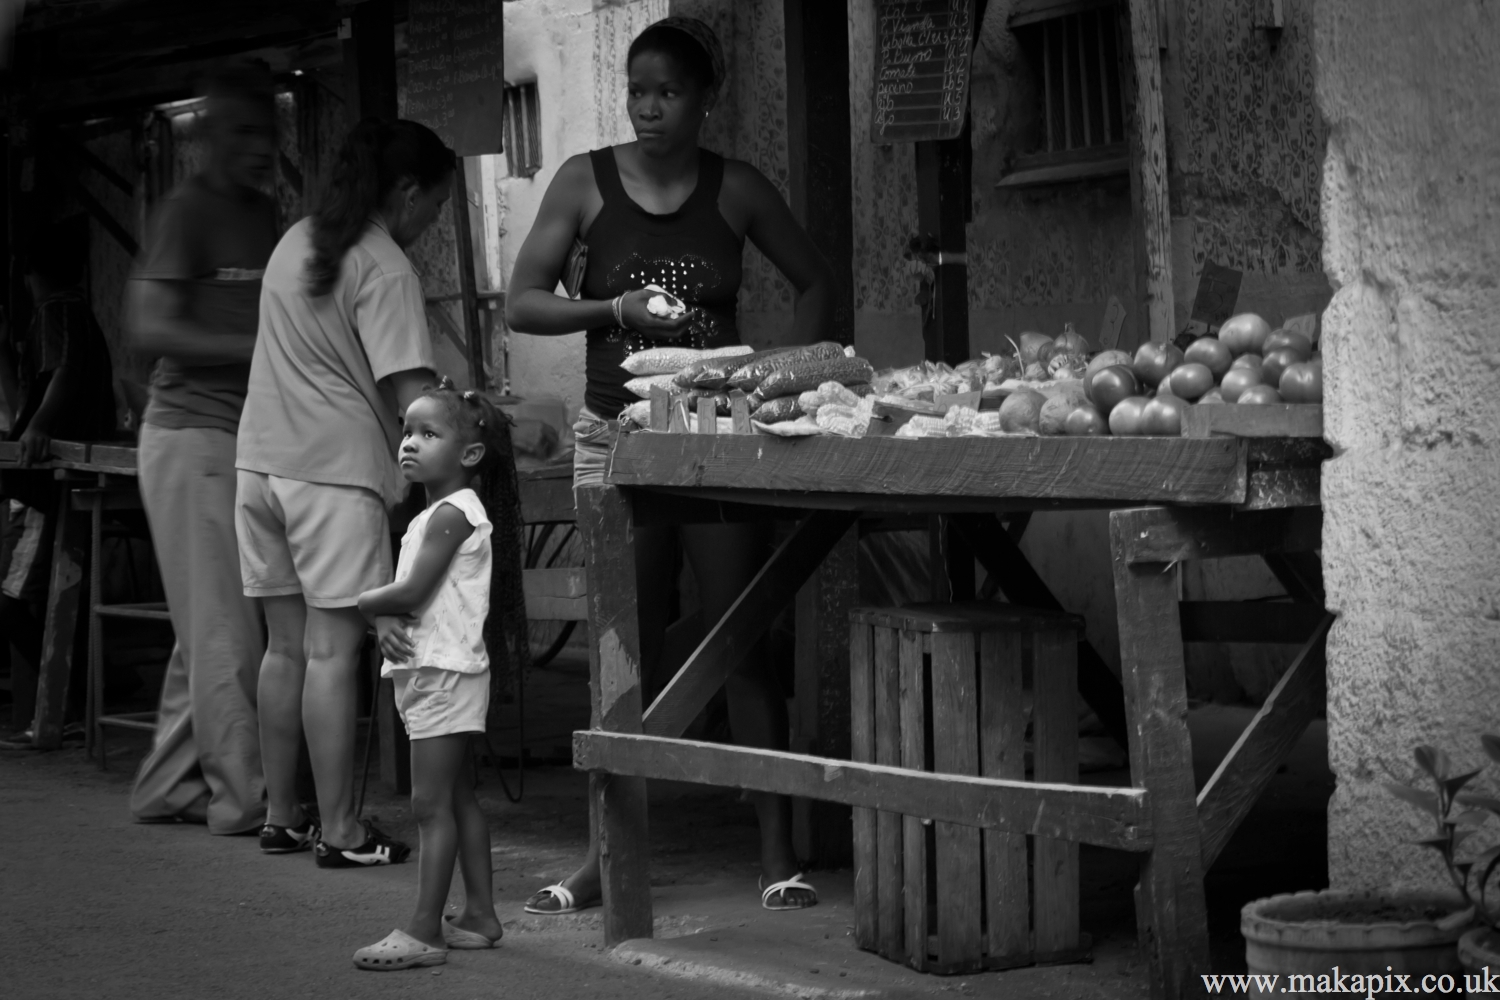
(328, 543)
(437, 702)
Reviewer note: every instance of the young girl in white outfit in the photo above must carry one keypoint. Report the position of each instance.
(430, 623)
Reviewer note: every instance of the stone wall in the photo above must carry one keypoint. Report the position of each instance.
(1411, 540)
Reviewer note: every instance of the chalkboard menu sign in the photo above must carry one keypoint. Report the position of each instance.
(456, 85)
(922, 50)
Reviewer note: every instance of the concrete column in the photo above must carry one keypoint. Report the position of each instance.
(1411, 546)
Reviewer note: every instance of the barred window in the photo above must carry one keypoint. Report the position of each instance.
(1073, 47)
(523, 135)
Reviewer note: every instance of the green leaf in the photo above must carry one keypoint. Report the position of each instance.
(1454, 784)
(1459, 836)
(1475, 817)
(1439, 844)
(1433, 761)
(1426, 801)
(1488, 802)
(1491, 744)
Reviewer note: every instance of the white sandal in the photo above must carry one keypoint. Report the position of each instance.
(795, 882)
(564, 896)
(398, 950)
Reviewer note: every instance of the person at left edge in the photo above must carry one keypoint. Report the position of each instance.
(194, 301)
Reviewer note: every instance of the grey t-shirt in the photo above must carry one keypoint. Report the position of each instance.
(315, 412)
(217, 246)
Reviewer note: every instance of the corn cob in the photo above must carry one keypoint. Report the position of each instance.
(747, 377)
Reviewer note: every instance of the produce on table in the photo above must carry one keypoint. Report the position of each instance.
(1154, 362)
(1245, 334)
(1085, 421)
(800, 376)
(774, 411)
(1031, 345)
(1278, 362)
(1101, 361)
(1302, 383)
(1254, 361)
(747, 377)
(641, 385)
(1022, 411)
(1111, 385)
(1057, 409)
(1289, 340)
(1191, 380)
(1068, 366)
(1236, 381)
(1211, 353)
(828, 394)
(1211, 397)
(1259, 395)
(1071, 341)
(1163, 416)
(1125, 418)
(670, 360)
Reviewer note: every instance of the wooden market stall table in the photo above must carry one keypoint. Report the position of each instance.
(1171, 499)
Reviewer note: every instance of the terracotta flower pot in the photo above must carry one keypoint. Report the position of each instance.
(1479, 948)
(1305, 933)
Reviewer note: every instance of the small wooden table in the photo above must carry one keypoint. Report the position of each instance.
(1171, 499)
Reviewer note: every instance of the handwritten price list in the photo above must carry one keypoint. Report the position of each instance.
(457, 81)
(922, 69)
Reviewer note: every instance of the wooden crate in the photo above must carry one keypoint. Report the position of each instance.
(939, 688)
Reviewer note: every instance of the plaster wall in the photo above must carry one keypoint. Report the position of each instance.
(1411, 538)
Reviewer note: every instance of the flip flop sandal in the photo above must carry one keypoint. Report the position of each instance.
(780, 888)
(466, 940)
(566, 902)
(399, 950)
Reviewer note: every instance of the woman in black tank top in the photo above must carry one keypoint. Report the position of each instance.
(662, 211)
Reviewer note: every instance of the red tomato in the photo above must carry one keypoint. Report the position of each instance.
(1302, 383)
(1163, 416)
(1155, 361)
(1211, 353)
(1277, 362)
(1070, 342)
(1253, 361)
(1245, 333)
(1259, 395)
(1125, 418)
(1085, 421)
(1288, 339)
(1101, 361)
(1191, 380)
(1236, 381)
(1111, 385)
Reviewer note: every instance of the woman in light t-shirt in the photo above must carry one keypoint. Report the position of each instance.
(343, 347)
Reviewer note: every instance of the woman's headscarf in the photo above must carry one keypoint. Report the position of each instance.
(701, 33)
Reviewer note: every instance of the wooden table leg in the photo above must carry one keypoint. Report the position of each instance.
(1171, 913)
(63, 593)
(618, 802)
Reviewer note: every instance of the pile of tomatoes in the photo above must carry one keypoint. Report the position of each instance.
(1246, 363)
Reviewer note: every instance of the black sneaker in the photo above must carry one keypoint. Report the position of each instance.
(379, 848)
(290, 839)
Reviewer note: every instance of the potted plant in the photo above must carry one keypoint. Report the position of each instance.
(1457, 815)
(1413, 932)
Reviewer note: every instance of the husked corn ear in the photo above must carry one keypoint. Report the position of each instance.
(714, 372)
(803, 375)
(748, 376)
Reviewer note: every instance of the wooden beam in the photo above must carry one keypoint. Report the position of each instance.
(1248, 621)
(1301, 573)
(467, 282)
(818, 151)
(64, 595)
(1141, 61)
(78, 151)
(617, 803)
(370, 61)
(1171, 911)
(1003, 559)
(101, 215)
(719, 655)
(1279, 420)
(1105, 816)
(1098, 470)
(1171, 534)
(1266, 742)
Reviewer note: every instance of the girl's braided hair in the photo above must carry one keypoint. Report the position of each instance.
(477, 418)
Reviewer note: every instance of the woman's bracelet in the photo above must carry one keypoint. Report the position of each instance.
(615, 305)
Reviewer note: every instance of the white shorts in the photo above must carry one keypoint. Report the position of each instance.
(437, 702)
(328, 543)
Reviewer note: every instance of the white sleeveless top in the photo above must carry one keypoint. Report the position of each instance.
(449, 629)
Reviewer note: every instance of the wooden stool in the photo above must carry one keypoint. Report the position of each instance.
(939, 688)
